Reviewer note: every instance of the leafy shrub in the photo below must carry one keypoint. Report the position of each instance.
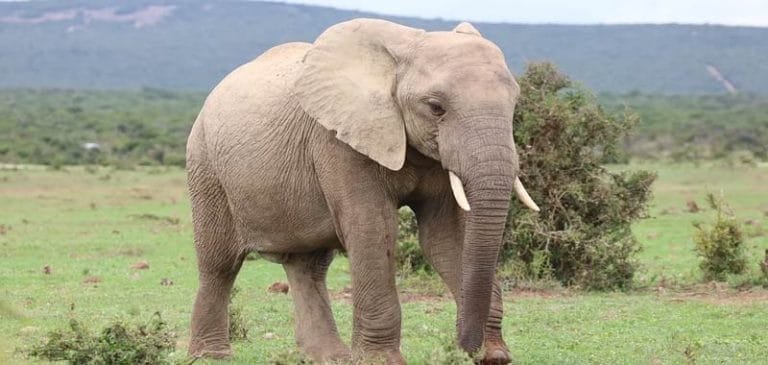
(117, 344)
(583, 235)
(408, 254)
(721, 245)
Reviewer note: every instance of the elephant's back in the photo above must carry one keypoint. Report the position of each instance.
(252, 102)
(265, 76)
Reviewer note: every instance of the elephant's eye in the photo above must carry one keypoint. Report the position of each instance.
(435, 107)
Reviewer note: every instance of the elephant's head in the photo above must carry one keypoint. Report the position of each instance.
(449, 95)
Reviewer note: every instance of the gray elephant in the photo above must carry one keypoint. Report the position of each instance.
(311, 148)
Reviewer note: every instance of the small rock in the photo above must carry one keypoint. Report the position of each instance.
(269, 336)
(141, 265)
(47, 270)
(279, 287)
(166, 282)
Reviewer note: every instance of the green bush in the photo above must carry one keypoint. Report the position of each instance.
(582, 236)
(721, 244)
(117, 344)
(408, 254)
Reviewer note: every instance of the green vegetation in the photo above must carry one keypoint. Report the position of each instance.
(687, 128)
(130, 127)
(82, 224)
(721, 244)
(118, 344)
(408, 255)
(238, 324)
(583, 235)
(150, 126)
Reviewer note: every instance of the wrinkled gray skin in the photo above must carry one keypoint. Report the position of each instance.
(313, 147)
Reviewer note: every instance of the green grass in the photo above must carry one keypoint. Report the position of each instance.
(97, 223)
(666, 235)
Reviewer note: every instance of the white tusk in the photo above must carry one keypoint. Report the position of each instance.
(522, 195)
(458, 191)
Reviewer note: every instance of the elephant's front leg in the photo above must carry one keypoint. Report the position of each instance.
(441, 233)
(370, 242)
(366, 224)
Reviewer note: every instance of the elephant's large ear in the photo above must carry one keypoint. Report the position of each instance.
(348, 82)
(466, 28)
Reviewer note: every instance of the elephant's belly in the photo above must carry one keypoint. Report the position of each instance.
(290, 238)
(287, 220)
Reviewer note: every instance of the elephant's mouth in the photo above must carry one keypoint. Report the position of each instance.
(461, 197)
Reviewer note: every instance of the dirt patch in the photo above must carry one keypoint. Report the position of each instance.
(122, 252)
(91, 280)
(140, 265)
(713, 294)
(707, 293)
(525, 293)
(152, 217)
(408, 296)
(405, 296)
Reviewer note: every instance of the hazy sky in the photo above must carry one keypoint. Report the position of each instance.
(731, 12)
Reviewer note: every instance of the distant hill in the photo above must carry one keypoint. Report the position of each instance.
(179, 44)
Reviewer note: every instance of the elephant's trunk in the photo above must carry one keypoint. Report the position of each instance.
(489, 197)
(487, 169)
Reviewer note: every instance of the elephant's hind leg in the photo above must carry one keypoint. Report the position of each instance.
(219, 257)
(316, 332)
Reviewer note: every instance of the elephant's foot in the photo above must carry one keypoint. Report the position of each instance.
(496, 353)
(322, 353)
(389, 357)
(200, 349)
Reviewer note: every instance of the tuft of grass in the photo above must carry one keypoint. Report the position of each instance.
(449, 353)
(293, 357)
(721, 244)
(119, 343)
(238, 324)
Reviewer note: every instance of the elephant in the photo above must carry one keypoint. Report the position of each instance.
(313, 148)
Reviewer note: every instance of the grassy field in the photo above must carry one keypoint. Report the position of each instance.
(69, 238)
